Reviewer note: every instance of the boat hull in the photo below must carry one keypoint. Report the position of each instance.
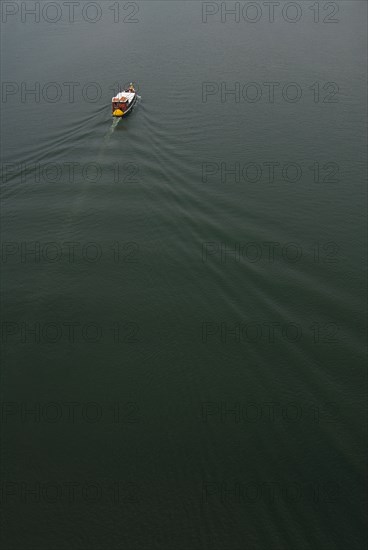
(119, 114)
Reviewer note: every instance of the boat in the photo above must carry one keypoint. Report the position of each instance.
(123, 102)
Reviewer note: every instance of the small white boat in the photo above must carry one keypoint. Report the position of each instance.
(123, 102)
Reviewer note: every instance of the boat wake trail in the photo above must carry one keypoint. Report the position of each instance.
(111, 130)
(79, 200)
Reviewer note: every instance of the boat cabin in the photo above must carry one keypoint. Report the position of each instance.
(123, 102)
(120, 103)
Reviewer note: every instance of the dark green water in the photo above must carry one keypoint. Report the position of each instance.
(183, 308)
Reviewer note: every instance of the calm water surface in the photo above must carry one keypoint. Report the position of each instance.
(216, 289)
